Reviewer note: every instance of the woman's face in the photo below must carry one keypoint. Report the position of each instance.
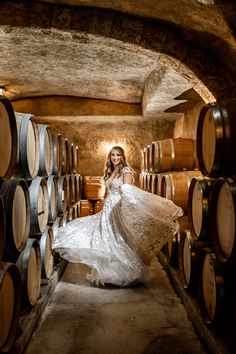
(115, 157)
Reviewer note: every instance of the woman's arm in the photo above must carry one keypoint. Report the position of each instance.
(128, 178)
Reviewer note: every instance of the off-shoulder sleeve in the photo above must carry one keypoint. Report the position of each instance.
(126, 169)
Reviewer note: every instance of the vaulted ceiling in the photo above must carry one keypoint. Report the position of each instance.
(155, 53)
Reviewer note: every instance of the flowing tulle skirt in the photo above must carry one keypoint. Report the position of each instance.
(119, 242)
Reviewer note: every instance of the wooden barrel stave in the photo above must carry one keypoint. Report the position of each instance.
(174, 154)
(28, 147)
(155, 156)
(52, 198)
(170, 249)
(8, 138)
(76, 170)
(70, 190)
(39, 204)
(222, 219)
(57, 154)
(29, 264)
(188, 247)
(62, 195)
(10, 304)
(45, 151)
(45, 242)
(15, 196)
(149, 159)
(175, 186)
(77, 187)
(198, 205)
(65, 146)
(216, 139)
(144, 154)
(210, 287)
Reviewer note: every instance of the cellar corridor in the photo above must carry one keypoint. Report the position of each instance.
(147, 318)
(91, 91)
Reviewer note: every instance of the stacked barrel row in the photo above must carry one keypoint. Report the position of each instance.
(206, 249)
(167, 169)
(93, 194)
(39, 186)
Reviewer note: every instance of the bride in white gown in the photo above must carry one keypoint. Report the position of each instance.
(119, 242)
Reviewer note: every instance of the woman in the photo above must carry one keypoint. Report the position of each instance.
(119, 242)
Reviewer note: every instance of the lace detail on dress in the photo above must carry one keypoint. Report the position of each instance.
(117, 242)
(126, 169)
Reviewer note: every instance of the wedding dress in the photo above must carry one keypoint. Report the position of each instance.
(119, 242)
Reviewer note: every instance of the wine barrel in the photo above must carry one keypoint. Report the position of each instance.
(86, 207)
(184, 223)
(29, 264)
(53, 198)
(2, 228)
(65, 147)
(158, 183)
(28, 146)
(210, 287)
(10, 304)
(141, 180)
(72, 213)
(145, 181)
(76, 170)
(77, 205)
(57, 154)
(77, 187)
(45, 243)
(154, 184)
(170, 249)
(216, 141)
(74, 159)
(142, 161)
(155, 156)
(70, 190)
(175, 186)
(222, 218)
(98, 205)
(8, 139)
(65, 219)
(175, 154)
(94, 187)
(149, 182)
(45, 151)
(188, 245)
(149, 158)
(62, 195)
(198, 205)
(39, 205)
(144, 158)
(16, 200)
(55, 226)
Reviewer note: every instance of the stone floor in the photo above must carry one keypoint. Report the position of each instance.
(84, 319)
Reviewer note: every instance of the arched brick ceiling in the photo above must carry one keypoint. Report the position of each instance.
(59, 49)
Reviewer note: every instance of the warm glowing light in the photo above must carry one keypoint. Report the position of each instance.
(2, 90)
(107, 146)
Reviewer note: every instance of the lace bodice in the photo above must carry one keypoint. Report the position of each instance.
(113, 185)
(118, 242)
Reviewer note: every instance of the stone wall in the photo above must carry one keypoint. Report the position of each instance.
(96, 135)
